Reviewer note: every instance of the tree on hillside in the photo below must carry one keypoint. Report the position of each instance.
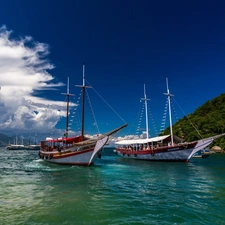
(206, 121)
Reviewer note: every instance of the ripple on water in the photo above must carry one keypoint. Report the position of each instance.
(113, 191)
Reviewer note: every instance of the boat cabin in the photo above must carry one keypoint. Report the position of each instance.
(149, 144)
(60, 143)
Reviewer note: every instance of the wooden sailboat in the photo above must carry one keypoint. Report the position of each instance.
(161, 148)
(78, 150)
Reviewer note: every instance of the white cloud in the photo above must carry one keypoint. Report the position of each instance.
(23, 70)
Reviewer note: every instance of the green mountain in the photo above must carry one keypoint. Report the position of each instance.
(206, 121)
(5, 140)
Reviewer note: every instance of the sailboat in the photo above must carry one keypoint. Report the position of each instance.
(34, 145)
(78, 150)
(16, 146)
(161, 148)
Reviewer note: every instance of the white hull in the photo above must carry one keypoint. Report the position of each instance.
(86, 155)
(33, 147)
(78, 158)
(15, 147)
(175, 153)
(181, 155)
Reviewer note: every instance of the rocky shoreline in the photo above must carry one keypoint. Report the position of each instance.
(216, 149)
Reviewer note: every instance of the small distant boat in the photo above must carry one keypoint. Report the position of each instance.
(161, 148)
(33, 147)
(32, 144)
(15, 147)
(78, 150)
(202, 154)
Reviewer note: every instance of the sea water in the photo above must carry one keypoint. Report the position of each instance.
(113, 191)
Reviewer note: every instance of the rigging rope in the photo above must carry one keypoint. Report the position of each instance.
(163, 124)
(135, 122)
(140, 119)
(106, 102)
(152, 120)
(92, 112)
(189, 120)
(176, 117)
(75, 114)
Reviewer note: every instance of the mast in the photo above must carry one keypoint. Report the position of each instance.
(83, 86)
(83, 96)
(67, 106)
(146, 111)
(29, 139)
(170, 118)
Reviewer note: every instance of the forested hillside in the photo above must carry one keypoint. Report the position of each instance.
(207, 120)
(4, 140)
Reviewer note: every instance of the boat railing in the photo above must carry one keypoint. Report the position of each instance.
(150, 146)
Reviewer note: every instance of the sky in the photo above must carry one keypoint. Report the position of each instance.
(124, 45)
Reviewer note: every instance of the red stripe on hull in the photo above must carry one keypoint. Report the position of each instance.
(68, 158)
(64, 154)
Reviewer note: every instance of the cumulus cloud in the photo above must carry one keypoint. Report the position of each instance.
(24, 70)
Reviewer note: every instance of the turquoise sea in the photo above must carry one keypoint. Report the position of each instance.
(113, 191)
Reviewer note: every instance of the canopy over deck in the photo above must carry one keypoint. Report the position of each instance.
(142, 141)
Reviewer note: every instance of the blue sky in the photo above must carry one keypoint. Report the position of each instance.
(124, 44)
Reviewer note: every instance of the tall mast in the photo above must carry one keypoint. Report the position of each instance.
(83, 96)
(169, 97)
(146, 111)
(67, 106)
(83, 86)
